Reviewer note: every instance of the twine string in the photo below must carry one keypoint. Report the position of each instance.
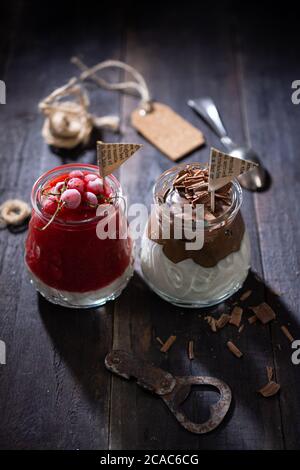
(139, 85)
(68, 122)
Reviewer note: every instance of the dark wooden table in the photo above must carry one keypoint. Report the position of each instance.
(54, 390)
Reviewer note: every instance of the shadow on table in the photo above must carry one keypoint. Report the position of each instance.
(262, 345)
(81, 339)
(71, 155)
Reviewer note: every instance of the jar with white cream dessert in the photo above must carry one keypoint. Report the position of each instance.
(172, 267)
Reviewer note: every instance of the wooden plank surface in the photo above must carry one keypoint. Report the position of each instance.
(54, 390)
(177, 71)
(271, 66)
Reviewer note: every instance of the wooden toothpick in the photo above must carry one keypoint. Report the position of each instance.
(212, 201)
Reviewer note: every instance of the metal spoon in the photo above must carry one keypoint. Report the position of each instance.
(255, 180)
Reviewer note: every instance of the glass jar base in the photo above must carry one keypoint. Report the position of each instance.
(196, 303)
(87, 300)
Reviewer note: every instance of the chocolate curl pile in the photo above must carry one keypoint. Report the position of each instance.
(192, 183)
(68, 123)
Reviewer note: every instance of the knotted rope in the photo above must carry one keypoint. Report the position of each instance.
(68, 122)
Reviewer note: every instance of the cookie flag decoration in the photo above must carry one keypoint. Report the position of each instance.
(223, 168)
(111, 156)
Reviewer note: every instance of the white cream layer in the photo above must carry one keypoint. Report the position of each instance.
(83, 299)
(188, 281)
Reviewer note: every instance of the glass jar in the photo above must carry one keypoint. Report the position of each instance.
(202, 277)
(69, 264)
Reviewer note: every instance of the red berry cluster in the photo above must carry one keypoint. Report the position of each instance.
(76, 190)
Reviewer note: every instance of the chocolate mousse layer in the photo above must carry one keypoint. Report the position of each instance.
(219, 242)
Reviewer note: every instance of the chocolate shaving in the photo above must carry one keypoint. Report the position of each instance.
(264, 313)
(225, 189)
(236, 316)
(179, 179)
(287, 333)
(232, 348)
(270, 389)
(223, 320)
(192, 183)
(217, 324)
(191, 350)
(201, 197)
(221, 196)
(245, 295)
(252, 319)
(270, 373)
(199, 186)
(212, 323)
(166, 346)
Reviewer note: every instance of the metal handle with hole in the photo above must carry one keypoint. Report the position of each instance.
(218, 410)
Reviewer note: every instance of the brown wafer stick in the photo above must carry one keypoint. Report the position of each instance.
(270, 389)
(191, 350)
(223, 320)
(245, 295)
(287, 333)
(235, 350)
(236, 316)
(252, 319)
(166, 346)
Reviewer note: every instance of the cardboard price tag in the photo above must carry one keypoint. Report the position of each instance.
(169, 132)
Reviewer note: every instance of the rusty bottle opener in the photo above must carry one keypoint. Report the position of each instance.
(173, 390)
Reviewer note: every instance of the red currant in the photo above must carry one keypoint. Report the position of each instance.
(71, 198)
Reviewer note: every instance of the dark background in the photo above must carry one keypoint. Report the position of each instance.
(54, 390)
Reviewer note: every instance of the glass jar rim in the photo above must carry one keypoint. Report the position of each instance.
(168, 176)
(113, 182)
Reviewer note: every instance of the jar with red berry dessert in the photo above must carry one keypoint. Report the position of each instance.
(70, 262)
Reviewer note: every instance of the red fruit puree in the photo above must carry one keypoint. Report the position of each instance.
(67, 254)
